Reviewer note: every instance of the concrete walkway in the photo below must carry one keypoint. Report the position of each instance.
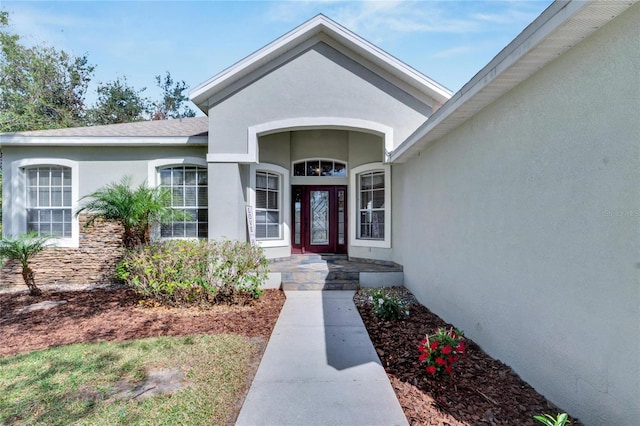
(320, 368)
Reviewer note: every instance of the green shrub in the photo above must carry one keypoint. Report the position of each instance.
(547, 419)
(388, 306)
(185, 271)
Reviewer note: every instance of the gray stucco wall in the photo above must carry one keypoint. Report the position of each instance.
(320, 82)
(97, 166)
(522, 227)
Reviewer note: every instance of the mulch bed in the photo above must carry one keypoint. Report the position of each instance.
(117, 314)
(480, 390)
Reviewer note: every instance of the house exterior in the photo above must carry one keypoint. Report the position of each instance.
(513, 204)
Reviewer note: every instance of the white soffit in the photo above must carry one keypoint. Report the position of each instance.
(312, 28)
(560, 27)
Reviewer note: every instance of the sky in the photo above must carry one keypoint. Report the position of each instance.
(449, 41)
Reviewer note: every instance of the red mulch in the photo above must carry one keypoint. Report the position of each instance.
(480, 391)
(108, 314)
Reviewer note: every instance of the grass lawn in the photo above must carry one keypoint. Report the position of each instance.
(107, 382)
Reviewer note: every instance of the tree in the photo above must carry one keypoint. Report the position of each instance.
(23, 249)
(118, 103)
(173, 99)
(40, 87)
(136, 209)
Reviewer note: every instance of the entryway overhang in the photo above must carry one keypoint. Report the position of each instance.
(305, 123)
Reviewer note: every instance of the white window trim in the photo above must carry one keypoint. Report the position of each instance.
(18, 216)
(285, 201)
(153, 173)
(154, 165)
(353, 205)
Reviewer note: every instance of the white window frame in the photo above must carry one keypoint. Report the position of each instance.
(354, 203)
(285, 201)
(153, 171)
(18, 197)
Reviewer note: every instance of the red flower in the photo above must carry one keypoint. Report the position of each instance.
(460, 348)
(424, 341)
(448, 369)
(447, 349)
(456, 358)
(431, 369)
(434, 345)
(440, 361)
(423, 357)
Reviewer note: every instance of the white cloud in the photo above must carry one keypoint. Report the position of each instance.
(378, 18)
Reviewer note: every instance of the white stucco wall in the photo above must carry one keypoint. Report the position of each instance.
(522, 227)
(319, 82)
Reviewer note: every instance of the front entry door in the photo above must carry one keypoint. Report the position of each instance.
(319, 219)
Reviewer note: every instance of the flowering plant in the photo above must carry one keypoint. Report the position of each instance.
(441, 350)
(388, 306)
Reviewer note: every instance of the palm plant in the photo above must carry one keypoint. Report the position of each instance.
(136, 209)
(22, 249)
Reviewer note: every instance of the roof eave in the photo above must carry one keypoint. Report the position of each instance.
(507, 70)
(128, 141)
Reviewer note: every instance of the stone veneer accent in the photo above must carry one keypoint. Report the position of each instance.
(91, 263)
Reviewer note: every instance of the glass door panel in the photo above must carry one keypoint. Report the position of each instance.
(319, 212)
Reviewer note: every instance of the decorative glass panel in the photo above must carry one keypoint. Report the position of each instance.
(319, 217)
(297, 217)
(341, 217)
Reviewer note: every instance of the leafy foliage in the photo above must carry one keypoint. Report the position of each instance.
(40, 87)
(44, 88)
(187, 271)
(388, 306)
(22, 249)
(549, 420)
(118, 102)
(136, 209)
(173, 98)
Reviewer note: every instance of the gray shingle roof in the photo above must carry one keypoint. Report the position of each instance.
(197, 126)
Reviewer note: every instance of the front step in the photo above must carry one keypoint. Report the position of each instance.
(331, 272)
(329, 285)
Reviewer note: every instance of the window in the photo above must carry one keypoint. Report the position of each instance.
(320, 168)
(49, 201)
(188, 185)
(371, 195)
(267, 205)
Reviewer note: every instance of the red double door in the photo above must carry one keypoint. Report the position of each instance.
(319, 219)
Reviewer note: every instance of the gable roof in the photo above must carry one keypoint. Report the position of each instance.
(175, 130)
(560, 27)
(315, 27)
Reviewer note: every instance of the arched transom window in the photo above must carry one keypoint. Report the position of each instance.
(320, 167)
